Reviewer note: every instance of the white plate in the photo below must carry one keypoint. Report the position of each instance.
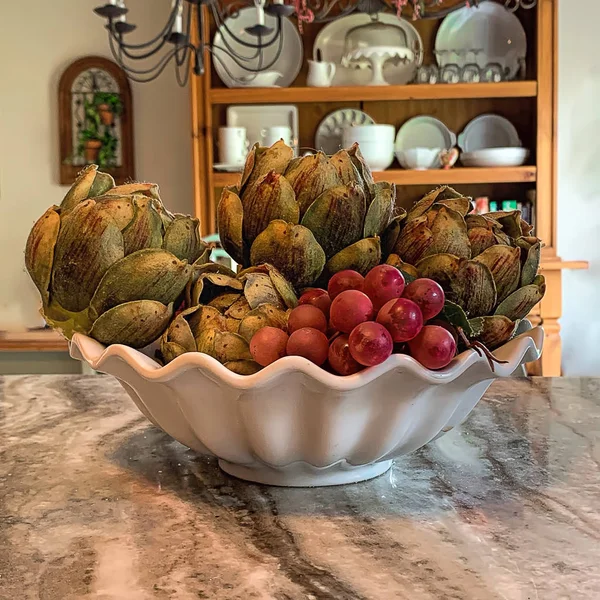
(288, 63)
(330, 130)
(228, 168)
(424, 132)
(495, 157)
(488, 131)
(330, 44)
(256, 117)
(494, 32)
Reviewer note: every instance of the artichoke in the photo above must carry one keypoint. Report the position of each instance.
(487, 264)
(227, 310)
(309, 217)
(111, 261)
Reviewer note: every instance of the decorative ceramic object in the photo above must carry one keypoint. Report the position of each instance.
(295, 424)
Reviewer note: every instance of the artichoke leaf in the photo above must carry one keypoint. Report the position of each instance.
(259, 289)
(283, 287)
(243, 367)
(120, 208)
(519, 304)
(239, 309)
(450, 236)
(531, 264)
(453, 314)
(180, 332)
(346, 170)
(496, 330)
(336, 218)
(442, 268)
(205, 341)
(39, 251)
(265, 315)
(269, 198)
(134, 324)
(150, 274)
(414, 241)
(292, 249)
(145, 229)
(231, 346)
(504, 262)
(88, 243)
(474, 288)
(361, 256)
(103, 182)
(390, 235)
(224, 301)
(129, 189)
(204, 317)
(480, 239)
(182, 238)
(171, 350)
(408, 271)
(80, 189)
(261, 160)
(381, 210)
(230, 220)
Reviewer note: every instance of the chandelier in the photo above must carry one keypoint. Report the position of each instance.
(183, 42)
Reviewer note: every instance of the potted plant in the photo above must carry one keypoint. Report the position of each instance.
(108, 104)
(108, 152)
(90, 144)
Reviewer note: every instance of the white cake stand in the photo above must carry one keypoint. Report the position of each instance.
(377, 56)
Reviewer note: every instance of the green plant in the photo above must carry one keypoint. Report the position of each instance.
(108, 152)
(111, 99)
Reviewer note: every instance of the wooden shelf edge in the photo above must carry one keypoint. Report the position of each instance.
(460, 175)
(34, 340)
(294, 95)
(556, 264)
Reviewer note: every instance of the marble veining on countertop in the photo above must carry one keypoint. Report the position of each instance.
(97, 503)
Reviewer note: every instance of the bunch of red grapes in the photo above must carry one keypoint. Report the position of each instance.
(359, 321)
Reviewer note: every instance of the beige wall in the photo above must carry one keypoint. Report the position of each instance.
(39, 39)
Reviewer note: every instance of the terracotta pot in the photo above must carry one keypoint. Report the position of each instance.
(91, 148)
(107, 116)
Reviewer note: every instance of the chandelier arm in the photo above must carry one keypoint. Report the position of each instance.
(250, 70)
(143, 56)
(248, 44)
(185, 54)
(182, 82)
(143, 45)
(159, 65)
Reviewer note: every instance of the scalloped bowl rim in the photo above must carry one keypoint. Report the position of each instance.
(96, 355)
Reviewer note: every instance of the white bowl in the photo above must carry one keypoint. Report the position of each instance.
(262, 79)
(381, 134)
(495, 157)
(295, 424)
(420, 158)
(378, 156)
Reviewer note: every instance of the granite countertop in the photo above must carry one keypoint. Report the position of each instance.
(97, 503)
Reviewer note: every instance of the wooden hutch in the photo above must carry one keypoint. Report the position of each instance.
(529, 104)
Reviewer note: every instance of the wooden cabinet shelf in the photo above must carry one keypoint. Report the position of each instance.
(295, 95)
(455, 176)
(34, 340)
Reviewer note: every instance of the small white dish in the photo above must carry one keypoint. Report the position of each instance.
(424, 132)
(262, 79)
(295, 424)
(228, 168)
(484, 34)
(495, 157)
(488, 131)
(288, 61)
(330, 130)
(420, 159)
(377, 57)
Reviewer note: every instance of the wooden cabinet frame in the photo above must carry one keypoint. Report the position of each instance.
(208, 94)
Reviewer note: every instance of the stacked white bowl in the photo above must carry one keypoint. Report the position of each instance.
(376, 143)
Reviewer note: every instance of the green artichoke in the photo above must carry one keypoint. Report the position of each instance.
(487, 264)
(226, 311)
(110, 261)
(309, 217)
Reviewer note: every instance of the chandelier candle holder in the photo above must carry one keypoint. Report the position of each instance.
(173, 43)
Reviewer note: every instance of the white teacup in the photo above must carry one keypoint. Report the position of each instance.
(270, 135)
(233, 145)
(320, 74)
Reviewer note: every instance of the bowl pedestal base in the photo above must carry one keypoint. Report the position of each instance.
(305, 475)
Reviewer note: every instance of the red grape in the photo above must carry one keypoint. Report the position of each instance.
(268, 344)
(349, 309)
(447, 326)
(434, 347)
(382, 283)
(340, 359)
(402, 318)
(428, 295)
(309, 343)
(306, 315)
(370, 343)
(344, 280)
(317, 297)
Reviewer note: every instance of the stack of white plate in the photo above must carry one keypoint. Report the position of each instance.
(491, 141)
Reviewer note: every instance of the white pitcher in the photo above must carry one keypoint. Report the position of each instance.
(320, 74)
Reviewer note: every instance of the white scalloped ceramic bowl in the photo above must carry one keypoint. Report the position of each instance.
(295, 424)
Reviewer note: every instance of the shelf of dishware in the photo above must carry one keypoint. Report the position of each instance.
(505, 89)
(33, 340)
(459, 175)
